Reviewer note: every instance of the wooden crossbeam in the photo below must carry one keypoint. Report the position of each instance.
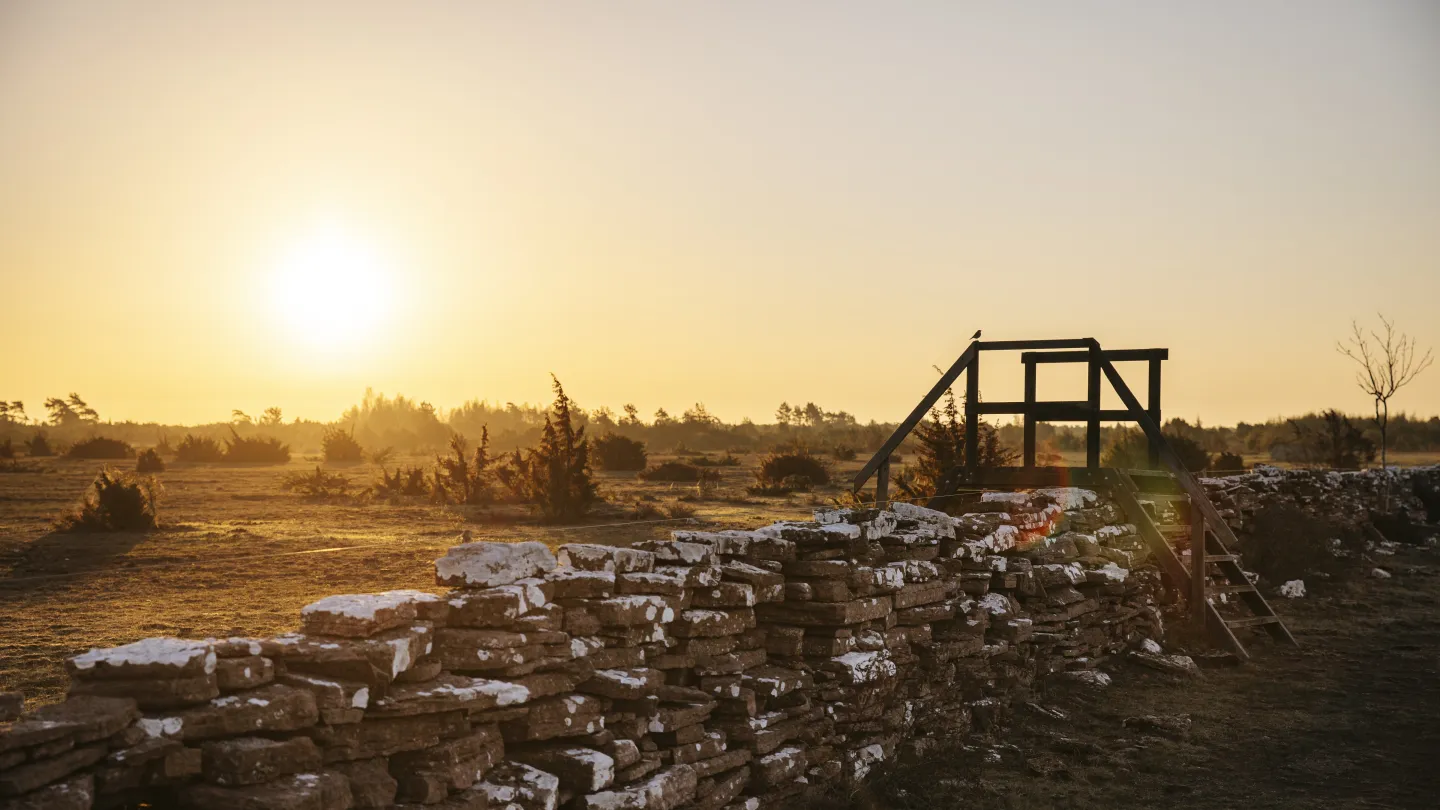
(1113, 355)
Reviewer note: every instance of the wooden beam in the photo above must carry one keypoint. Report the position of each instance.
(1113, 355)
(891, 444)
(1092, 424)
(1198, 577)
(1155, 406)
(972, 414)
(1029, 442)
(1021, 345)
(882, 484)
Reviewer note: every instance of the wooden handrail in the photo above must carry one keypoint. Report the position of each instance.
(1198, 498)
(891, 444)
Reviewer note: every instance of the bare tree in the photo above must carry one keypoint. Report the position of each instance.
(1387, 364)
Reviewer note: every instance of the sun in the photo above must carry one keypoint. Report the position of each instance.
(330, 290)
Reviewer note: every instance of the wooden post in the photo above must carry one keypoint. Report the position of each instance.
(1154, 408)
(882, 484)
(1092, 424)
(972, 414)
(1029, 414)
(1198, 577)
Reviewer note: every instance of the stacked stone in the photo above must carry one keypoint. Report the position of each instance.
(762, 709)
(716, 670)
(1344, 497)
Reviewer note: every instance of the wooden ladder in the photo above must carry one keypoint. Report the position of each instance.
(1210, 556)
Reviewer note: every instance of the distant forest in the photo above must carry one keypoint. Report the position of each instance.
(412, 426)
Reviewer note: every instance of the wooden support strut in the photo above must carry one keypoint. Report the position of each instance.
(1199, 579)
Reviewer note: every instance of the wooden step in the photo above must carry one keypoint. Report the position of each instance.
(1252, 621)
(1219, 558)
(1171, 497)
(1245, 588)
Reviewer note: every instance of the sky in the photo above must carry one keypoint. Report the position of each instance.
(209, 206)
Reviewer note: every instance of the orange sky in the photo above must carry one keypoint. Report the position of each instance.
(214, 206)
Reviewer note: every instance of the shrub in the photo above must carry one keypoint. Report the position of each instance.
(340, 446)
(679, 511)
(405, 481)
(256, 449)
(7, 450)
(843, 452)
(1227, 462)
(941, 440)
(116, 502)
(459, 479)
(382, 456)
(796, 468)
(39, 445)
(1285, 542)
(101, 447)
(615, 453)
(149, 462)
(199, 448)
(678, 472)
(727, 460)
(316, 484)
(1131, 451)
(554, 477)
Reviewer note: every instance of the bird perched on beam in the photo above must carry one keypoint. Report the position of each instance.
(975, 336)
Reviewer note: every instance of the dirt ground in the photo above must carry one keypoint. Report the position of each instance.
(1351, 719)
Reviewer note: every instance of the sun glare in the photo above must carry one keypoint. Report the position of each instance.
(330, 290)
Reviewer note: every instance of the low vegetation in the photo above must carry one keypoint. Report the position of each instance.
(726, 460)
(255, 449)
(406, 482)
(678, 472)
(38, 445)
(554, 477)
(1286, 542)
(116, 502)
(339, 446)
(1131, 451)
(464, 478)
(617, 453)
(149, 461)
(316, 483)
(199, 449)
(101, 447)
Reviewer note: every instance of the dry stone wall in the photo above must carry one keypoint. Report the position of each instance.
(1343, 497)
(729, 669)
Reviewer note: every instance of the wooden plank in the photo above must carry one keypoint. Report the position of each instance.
(1113, 355)
(1251, 621)
(1198, 576)
(972, 414)
(1123, 490)
(1155, 406)
(1055, 411)
(1020, 345)
(1092, 424)
(882, 484)
(1029, 441)
(1217, 628)
(891, 444)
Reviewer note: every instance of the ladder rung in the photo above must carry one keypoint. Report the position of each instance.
(1219, 558)
(1252, 621)
(1246, 588)
(1164, 496)
(1173, 528)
